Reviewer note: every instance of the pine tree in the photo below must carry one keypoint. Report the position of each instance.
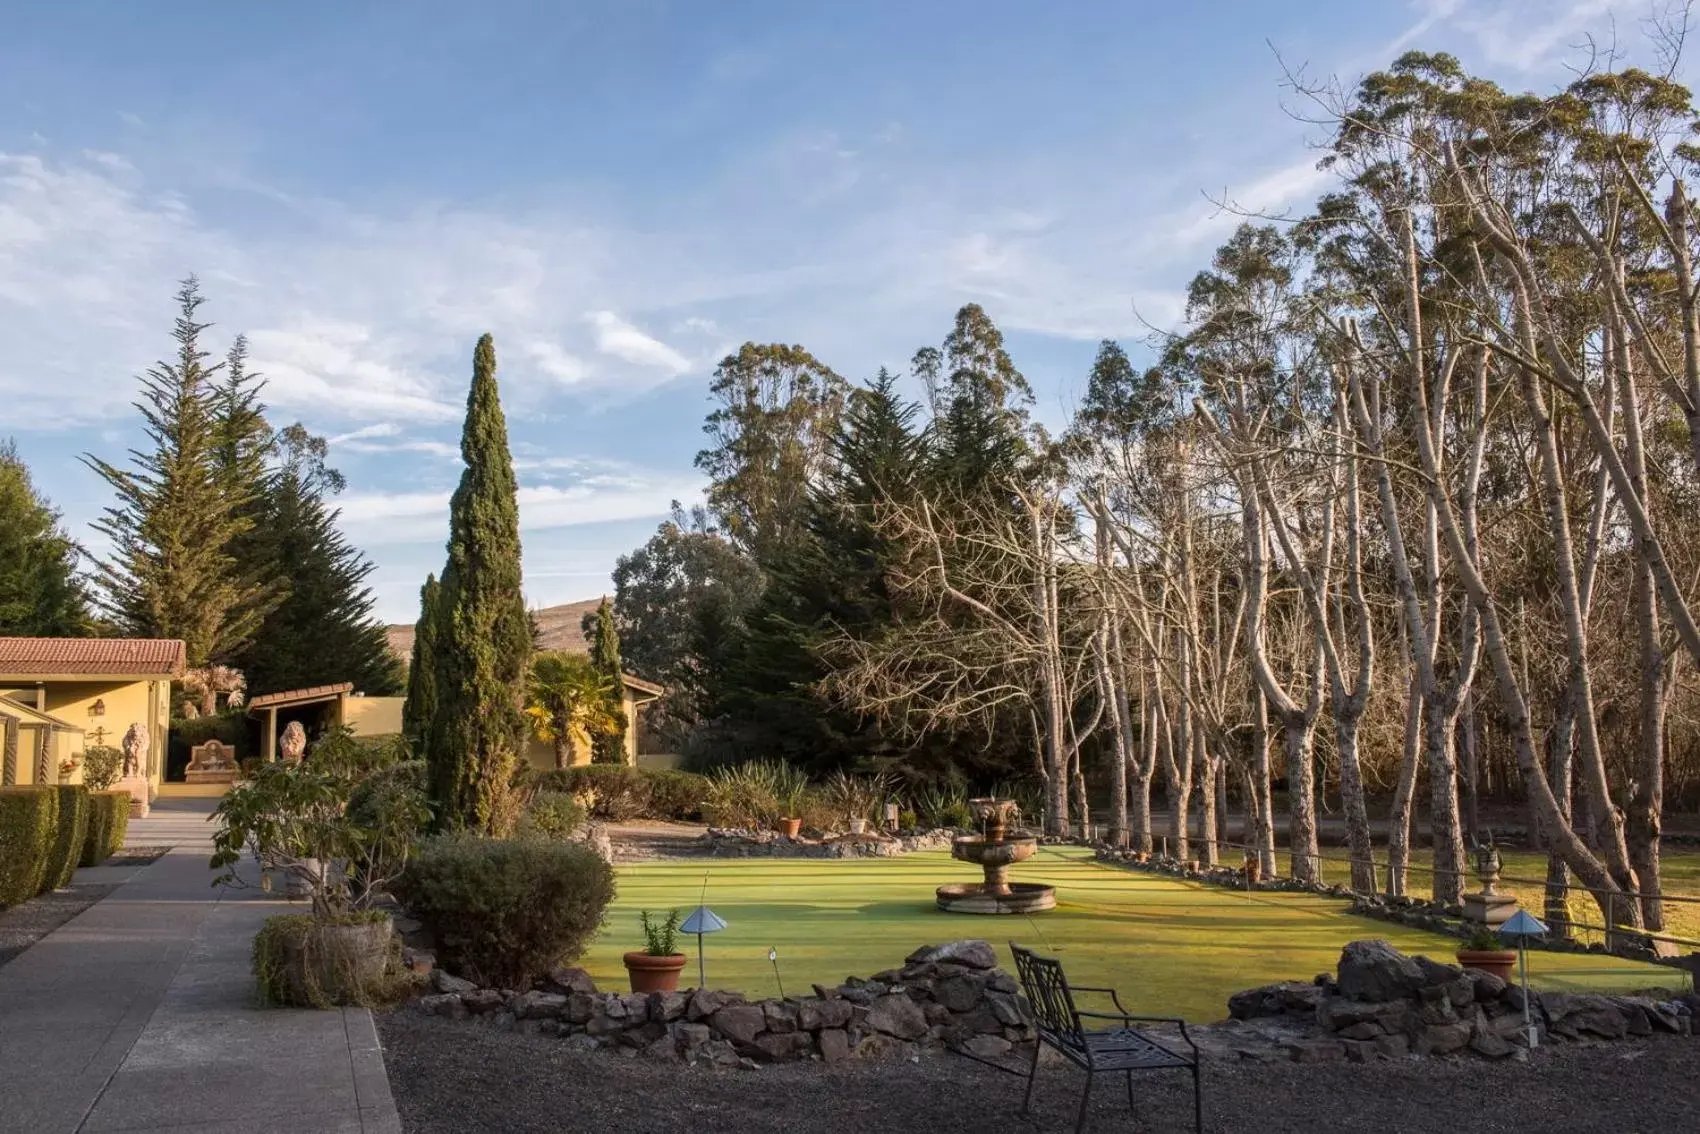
(483, 633)
(421, 705)
(40, 593)
(323, 630)
(608, 747)
(171, 573)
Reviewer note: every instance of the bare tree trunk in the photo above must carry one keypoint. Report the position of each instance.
(1204, 774)
(1139, 805)
(1262, 800)
(1357, 813)
(1467, 745)
(1399, 817)
(1177, 769)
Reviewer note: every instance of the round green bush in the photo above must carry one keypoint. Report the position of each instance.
(505, 911)
(364, 802)
(28, 827)
(69, 835)
(551, 815)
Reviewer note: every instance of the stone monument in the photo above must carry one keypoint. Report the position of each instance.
(1489, 906)
(292, 745)
(134, 773)
(211, 763)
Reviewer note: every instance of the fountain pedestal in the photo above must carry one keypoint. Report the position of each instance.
(995, 850)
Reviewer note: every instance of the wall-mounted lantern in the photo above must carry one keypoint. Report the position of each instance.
(98, 709)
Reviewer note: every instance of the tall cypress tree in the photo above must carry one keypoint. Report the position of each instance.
(421, 706)
(40, 593)
(604, 639)
(483, 633)
(171, 573)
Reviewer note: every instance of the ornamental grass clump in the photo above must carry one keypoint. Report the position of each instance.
(505, 911)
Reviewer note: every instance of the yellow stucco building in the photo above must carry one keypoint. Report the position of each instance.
(82, 692)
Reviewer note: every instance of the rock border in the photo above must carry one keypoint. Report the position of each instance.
(951, 995)
(1382, 1004)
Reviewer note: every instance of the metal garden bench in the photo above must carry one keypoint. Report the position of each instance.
(1119, 1047)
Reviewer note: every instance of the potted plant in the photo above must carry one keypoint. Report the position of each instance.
(337, 830)
(790, 787)
(854, 797)
(1484, 951)
(656, 967)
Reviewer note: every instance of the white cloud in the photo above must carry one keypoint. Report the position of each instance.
(619, 338)
(378, 518)
(365, 432)
(566, 369)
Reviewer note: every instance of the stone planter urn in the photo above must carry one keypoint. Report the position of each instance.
(859, 826)
(650, 973)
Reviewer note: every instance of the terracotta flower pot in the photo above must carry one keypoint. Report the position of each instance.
(654, 974)
(790, 828)
(1501, 963)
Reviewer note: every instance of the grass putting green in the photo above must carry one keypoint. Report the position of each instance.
(1169, 947)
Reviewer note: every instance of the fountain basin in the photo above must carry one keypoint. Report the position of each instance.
(977, 898)
(982, 852)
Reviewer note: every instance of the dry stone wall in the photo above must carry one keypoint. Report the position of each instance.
(951, 995)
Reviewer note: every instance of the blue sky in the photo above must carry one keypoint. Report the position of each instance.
(623, 192)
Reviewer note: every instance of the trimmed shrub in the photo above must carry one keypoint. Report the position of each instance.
(69, 834)
(102, 765)
(109, 819)
(504, 911)
(28, 828)
(676, 795)
(551, 815)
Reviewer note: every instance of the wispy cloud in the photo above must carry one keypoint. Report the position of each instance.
(619, 338)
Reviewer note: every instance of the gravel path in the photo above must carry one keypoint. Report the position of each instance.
(28, 922)
(461, 1077)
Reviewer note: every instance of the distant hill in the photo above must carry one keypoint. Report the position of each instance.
(560, 626)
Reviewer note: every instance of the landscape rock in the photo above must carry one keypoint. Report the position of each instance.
(707, 1002)
(987, 1047)
(568, 980)
(741, 1023)
(443, 1004)
(1442, 1039)
(580, 1006)
(973, 952)
(786, 1045)
(815, 1014)
(897, 1016)
(668, 1006)
(539, 1005)
(1575, 1015)
(447, 982)
(834, 1045)
(959, 993)
(481, 1000)
(1373, 970)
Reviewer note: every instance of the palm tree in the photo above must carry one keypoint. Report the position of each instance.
(566, 694)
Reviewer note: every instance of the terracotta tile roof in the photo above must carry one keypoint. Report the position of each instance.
(300, 696)
(91, 657)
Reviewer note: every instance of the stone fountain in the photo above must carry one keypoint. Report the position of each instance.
(995, 849)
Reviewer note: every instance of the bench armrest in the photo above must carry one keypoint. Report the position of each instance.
(1127, 1018)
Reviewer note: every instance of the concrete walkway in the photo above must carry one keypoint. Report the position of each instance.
(138, 1014)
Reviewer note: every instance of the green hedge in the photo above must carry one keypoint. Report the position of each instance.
(109, 819)
(28, 825)
(72, 831)
(621, 793)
